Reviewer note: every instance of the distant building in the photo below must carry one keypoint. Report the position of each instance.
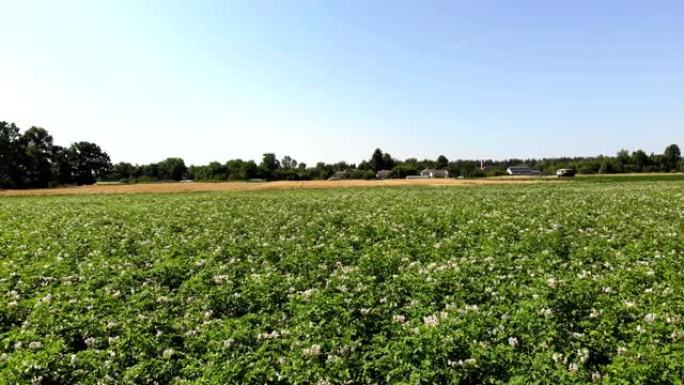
(522, 170)
(432, 173)
(382, 174)
(338, 175)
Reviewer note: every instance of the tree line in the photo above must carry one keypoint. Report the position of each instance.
(287, 168)
(31, 159)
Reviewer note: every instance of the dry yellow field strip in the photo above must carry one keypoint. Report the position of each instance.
(255, 186)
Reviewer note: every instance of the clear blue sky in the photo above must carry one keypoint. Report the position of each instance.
(324, 80)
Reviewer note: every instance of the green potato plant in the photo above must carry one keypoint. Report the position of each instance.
(572, 283)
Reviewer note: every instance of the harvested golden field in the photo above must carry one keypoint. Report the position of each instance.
(254, 186)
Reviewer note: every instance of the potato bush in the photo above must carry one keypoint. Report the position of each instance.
(548, 284)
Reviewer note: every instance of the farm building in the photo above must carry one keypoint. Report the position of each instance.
(382, 174)
(339, 175)
(432, 173)
(522, 170)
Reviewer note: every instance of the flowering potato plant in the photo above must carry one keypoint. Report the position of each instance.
(547, 284)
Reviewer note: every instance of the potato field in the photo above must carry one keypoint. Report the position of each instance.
(551, 283)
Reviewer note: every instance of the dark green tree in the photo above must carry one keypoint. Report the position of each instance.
(671, 157)
(10, 174)
(88, 162)
(288, 163)
(61, 167)
(622, 160)
(36, 160)
(387, 162)
(639, 160)
(269, 163)
(122, 171)
(442, 162)
(377, 161)
(172, 169)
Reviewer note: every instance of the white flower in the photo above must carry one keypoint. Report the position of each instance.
(365, 311)
(454, 364)
(551, 282)
(35, 345)
(227, 344)
(595, 313)
(399, 318)
(596, 376)
(677, 335)
(573, 367)
(583, 355)
(650, 317)
(545, 312)
(557, 358)
(168, 353)
(628, 304)
(513, 341)
(269, 336)
(90, 342)
(221, 278)
(469, 362)
(430, 320)
(314, 350)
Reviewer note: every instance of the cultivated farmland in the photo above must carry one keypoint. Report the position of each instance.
(554, 283)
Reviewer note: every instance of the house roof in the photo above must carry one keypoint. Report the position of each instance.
(520, 168)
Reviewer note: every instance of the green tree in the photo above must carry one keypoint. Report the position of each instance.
(622, 160)
(217, 171)
(387, 162)
(88, 162)
(377, 161)
(172, 169)
(61, 167)
(122, 171)
(640, 160)
(288, 163)
(671, 157)
(36, 158)
(442, 162)
(269, 163)
(9, 154)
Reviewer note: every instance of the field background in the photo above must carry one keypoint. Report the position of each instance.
(177, 187)
(546, 282)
